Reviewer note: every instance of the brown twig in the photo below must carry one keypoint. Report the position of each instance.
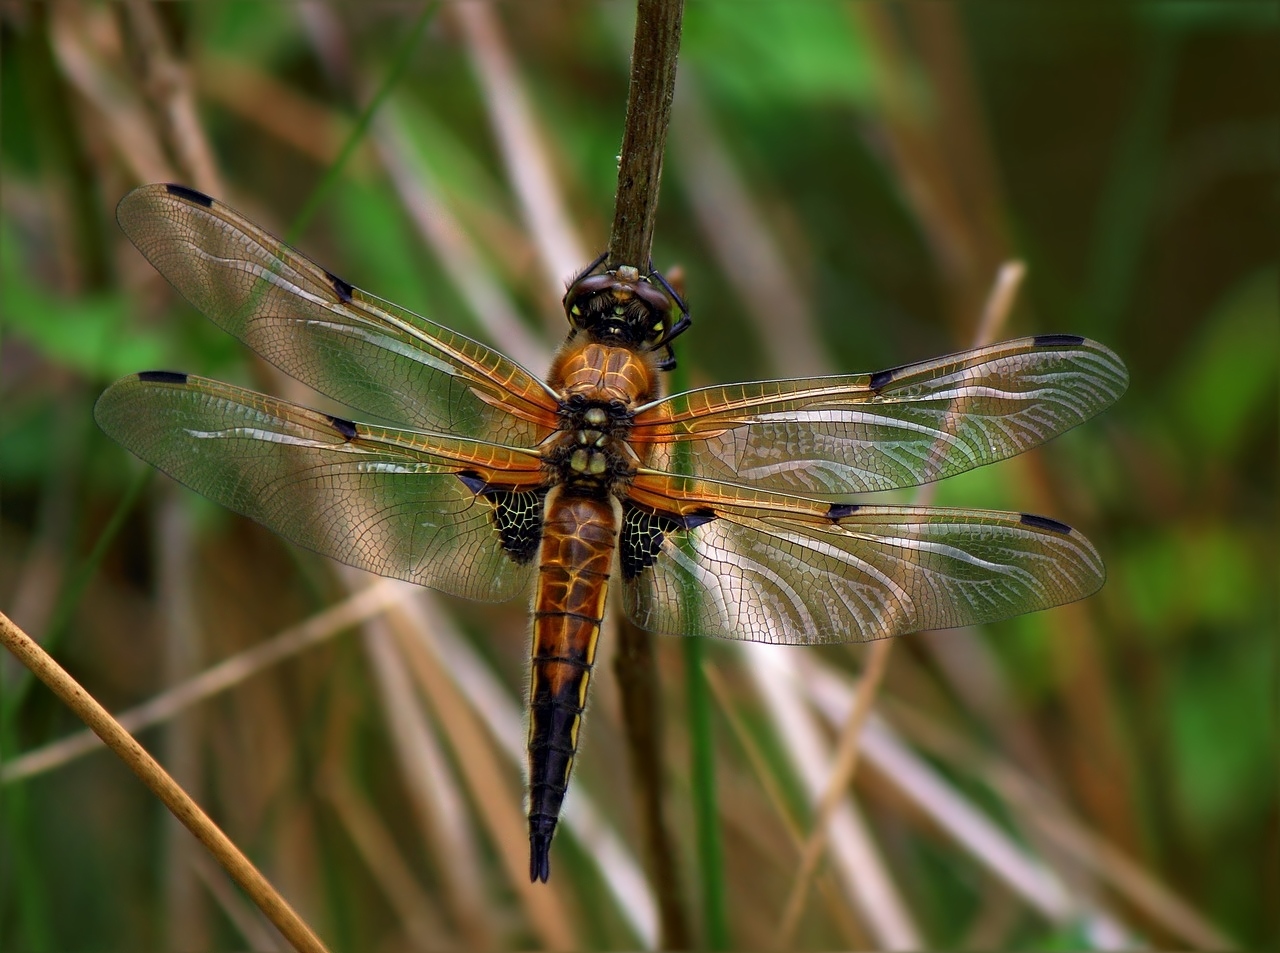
(221, 677)
(843, 768)
(946, 176)
(841, 913)
(653, 83)
(148, 770)
(97, 75)
(515, 127)
(637, 676)
(653, 76)
(167, 84)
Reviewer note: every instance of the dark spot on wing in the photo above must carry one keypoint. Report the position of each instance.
(881, 379)
(163, 377)
(698, 518)
(517, 515)
(190, 194)
(643, 532)
(1043, 522)
(343, 426)
(1057, 340)
(475, 483)
(839, 511)
(342, 288)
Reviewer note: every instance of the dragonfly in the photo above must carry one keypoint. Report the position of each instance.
(726, 511)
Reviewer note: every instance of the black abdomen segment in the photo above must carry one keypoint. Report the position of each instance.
(578, 541)
(559, 692)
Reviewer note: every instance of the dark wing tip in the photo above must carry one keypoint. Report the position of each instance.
(190, 194)
(1057, 340)
(1044, 522)
(163, 377)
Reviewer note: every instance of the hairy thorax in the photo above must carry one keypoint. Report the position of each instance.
(600, 387)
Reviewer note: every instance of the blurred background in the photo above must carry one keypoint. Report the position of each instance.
(842, 184)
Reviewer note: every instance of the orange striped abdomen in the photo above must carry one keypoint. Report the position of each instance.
(578, 540)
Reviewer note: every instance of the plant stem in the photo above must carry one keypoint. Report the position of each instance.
(653, 83)
(705, 801)
(148, 770)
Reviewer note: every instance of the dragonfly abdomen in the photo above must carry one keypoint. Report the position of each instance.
(579, 536)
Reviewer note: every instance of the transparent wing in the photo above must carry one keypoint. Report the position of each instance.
(354, 347)
(412, 505)
(708, 559)
(832, 436)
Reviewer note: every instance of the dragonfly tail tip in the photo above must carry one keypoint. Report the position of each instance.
(540, 854)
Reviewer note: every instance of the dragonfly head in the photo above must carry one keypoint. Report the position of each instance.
(622, 307)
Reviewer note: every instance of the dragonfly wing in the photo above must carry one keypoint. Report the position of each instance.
(450, 513)
(700, 558)
(358, 349)
(833, 436)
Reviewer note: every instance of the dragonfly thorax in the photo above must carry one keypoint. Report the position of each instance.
(599, 373)
(588, 460)
(589, 450)
(603, 418)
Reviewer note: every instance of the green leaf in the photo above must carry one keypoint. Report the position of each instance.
(1228, 383)
(765, 52)
(1154, 572)
(89, 333)
(1205, 15)
(1221, 718)
(249, 30)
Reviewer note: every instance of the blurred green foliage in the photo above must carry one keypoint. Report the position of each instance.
(776, 55)
(87, 334)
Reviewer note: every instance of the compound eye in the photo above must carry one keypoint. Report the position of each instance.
(656, 333)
